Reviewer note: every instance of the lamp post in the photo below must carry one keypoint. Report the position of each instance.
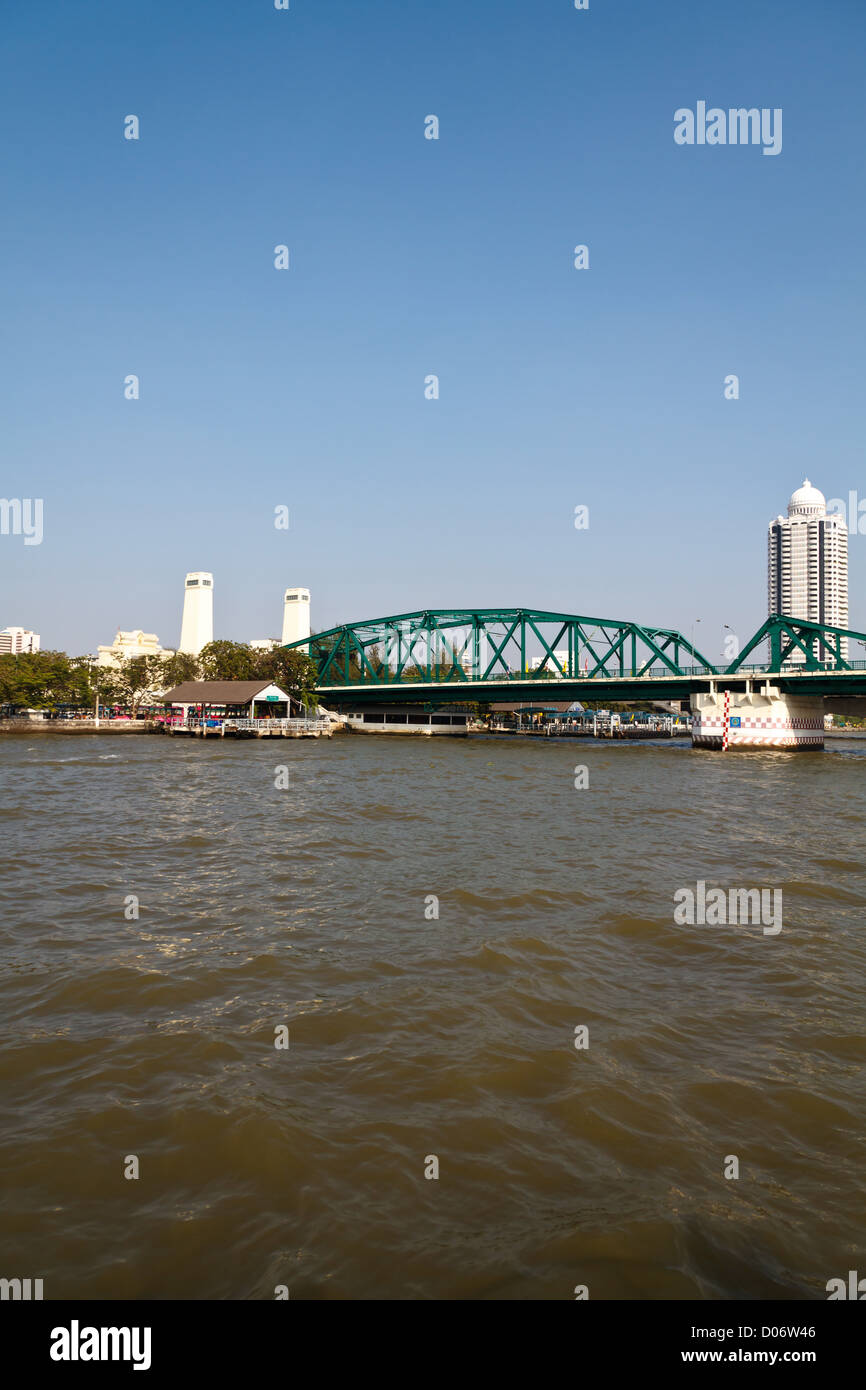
(694, 625)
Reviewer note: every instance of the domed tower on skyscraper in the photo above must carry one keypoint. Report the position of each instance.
(807, 565)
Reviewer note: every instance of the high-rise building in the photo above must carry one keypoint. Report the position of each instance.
(807, 565)
(196, 630)
(296, 615)
(19, 639)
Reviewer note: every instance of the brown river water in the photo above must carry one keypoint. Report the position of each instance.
(309, 907)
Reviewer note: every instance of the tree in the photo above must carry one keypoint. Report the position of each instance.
(137, 677)
(291, 669)
(42, 680)
(105, 685)
(178, 668)
(227, 661)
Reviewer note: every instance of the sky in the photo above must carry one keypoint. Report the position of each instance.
(410, 257)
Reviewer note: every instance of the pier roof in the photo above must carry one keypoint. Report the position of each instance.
(218, 692)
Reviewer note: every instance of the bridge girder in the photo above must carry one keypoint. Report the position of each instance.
(474, 651)
(476, 645)
(814, 646)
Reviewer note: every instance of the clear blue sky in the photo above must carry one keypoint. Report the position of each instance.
(409, 257)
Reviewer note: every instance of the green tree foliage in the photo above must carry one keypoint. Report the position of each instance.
(45, 680)
(235, 661)
(227, 661)
(42, 680)
(104, 682)
(291, 670)
(136, 679)
(178, 668)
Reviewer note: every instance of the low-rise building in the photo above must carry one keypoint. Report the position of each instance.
(130, 644)
(407, 719)
(230, 699)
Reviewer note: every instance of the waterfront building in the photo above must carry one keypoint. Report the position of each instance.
(296, 615)
(262, 644)
(407, 719)
(229, 700)
(807, 564)
(196, 629)
(19, 639)
(130, 644)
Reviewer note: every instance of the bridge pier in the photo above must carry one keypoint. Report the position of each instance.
(756, 718)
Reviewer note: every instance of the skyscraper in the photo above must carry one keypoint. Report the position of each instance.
(807, 565)
(296, 615)
(197, 627)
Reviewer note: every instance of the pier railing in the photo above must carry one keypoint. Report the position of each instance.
(290, 725)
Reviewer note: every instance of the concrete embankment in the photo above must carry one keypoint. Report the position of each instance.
(32, 728)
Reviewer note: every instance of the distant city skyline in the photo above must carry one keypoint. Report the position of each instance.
(807, 577)
(171, 390)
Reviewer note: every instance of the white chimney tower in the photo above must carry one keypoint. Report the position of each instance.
(296, 615)
(197, 627)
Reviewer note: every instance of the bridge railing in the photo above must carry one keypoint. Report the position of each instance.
(553, 678)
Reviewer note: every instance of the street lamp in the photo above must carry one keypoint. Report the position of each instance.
(694, 625)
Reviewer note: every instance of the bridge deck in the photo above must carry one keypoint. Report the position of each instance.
(661, 686)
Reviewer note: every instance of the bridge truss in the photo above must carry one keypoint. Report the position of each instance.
(487, 653)
(441, 646)
(808, 646)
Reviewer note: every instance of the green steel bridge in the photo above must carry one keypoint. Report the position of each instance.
(443, 656)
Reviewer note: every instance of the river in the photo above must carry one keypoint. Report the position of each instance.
(431, 921)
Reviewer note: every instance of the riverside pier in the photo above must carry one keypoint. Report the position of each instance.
(317, 726)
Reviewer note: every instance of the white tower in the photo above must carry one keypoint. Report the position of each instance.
(296, 615)
(807, 565)
(197, 627)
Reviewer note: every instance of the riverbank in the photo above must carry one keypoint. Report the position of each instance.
(33, 727)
